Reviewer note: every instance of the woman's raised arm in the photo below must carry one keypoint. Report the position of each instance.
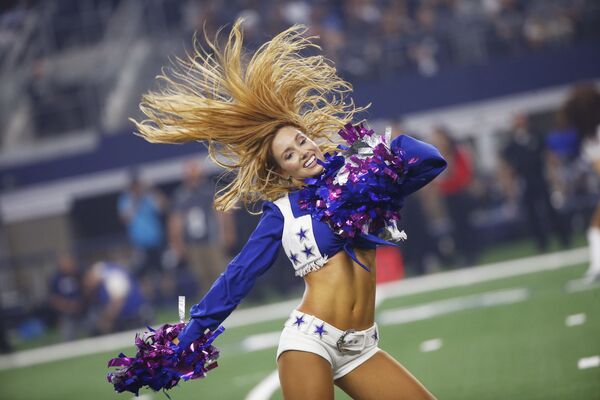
(235, 283)
(422, 160)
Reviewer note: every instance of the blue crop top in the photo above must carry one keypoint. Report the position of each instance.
(308, 242)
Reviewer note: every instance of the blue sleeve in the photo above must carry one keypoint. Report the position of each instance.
(423, 161)
(235, 283)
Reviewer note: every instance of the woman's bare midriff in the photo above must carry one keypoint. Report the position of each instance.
(342, 293)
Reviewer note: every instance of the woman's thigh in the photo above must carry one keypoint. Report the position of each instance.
(382, 378)
(305, 375)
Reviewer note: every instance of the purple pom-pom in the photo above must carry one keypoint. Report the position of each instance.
(160, 364)
(369, 196)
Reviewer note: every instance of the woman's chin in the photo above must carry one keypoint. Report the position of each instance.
(316, 170)
(310, 172)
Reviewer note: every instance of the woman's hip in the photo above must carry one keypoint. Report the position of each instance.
(343, 349)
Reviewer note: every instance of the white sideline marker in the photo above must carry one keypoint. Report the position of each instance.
(261, 341)
(575, 319)
(431, 345)
(588, 362)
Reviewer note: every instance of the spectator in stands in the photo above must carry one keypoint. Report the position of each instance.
(366, 39)
(454, 185)
(115, 298)
(524, 158)
(427, 42)
(393, 39)
(582, 110)
(547, 24)
(466, 32)
(140, 208)
(507, 23)
(66, 295)
(198, 233)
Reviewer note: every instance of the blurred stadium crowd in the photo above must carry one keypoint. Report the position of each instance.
(71, 69)
(68, 56)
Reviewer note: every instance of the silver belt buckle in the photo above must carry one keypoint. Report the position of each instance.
(340, 341)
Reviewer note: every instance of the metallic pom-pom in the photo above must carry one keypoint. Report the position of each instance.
(160, 364)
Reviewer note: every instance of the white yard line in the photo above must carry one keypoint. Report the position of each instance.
(266, 388)
(485, 273)
(261, 341)
(434, 309)
(250, 316)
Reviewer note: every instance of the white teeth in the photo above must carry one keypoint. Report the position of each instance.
(309, 161)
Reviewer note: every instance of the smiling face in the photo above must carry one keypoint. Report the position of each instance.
(295, 154)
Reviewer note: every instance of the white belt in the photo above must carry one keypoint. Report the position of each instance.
(344, 341)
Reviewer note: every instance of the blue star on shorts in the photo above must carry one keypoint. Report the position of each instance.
(299, 321)
(321, 330)
(375, 336)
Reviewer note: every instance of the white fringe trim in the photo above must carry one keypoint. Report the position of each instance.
(312, 266)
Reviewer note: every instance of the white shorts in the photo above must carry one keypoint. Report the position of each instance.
(345, 350)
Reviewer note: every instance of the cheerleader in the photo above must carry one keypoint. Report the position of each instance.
(271, 119)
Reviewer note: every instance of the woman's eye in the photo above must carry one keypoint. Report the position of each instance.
(288, 156)
(303, 141)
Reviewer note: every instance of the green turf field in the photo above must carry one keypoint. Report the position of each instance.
(522, 350)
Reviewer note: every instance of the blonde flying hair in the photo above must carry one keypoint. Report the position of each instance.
(237, 107)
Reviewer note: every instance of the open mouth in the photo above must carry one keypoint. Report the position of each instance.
(310, 162)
